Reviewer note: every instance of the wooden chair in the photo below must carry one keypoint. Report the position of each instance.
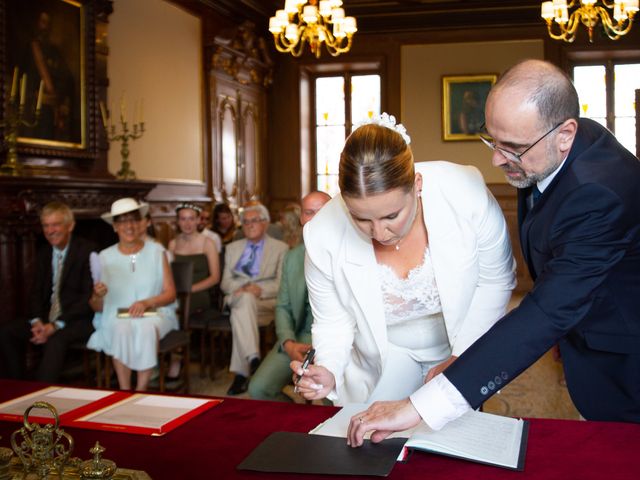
(98, 358)
(201, 321)
(220, 333)
(177, 341)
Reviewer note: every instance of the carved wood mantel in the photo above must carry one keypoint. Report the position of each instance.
(22, 198)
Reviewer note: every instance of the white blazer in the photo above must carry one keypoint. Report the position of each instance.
(472, 262)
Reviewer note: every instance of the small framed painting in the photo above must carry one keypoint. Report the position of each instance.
(463, 99)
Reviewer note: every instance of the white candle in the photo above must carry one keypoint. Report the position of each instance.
(40, 91)
(14, 84)
(23, 89)
(123, 109)
(104, 115)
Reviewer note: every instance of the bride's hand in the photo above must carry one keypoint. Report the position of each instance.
(315, 383)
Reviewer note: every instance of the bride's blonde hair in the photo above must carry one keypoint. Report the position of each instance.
(374, 160)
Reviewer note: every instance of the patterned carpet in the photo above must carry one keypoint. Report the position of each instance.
(539, 392)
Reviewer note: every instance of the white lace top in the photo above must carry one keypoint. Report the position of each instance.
(413, 311)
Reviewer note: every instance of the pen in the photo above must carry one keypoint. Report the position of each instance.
(307, 360)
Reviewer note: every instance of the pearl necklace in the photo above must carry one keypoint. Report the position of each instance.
(133, 257)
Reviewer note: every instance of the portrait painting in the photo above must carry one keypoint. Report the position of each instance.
(463, 99)
(45, 52)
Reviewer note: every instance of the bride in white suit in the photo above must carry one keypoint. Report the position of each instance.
(405, 270)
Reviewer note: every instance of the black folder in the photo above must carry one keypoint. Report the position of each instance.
(292, 452)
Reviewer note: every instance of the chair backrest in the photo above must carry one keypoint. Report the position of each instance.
(183, 279)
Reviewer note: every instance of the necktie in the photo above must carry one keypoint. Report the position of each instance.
(55, 311)
(535, 194)
(248, 265)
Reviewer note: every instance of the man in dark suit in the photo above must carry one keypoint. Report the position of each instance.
(58, 311)
(579, 205)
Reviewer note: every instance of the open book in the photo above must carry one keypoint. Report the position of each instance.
(116, 411)
(476, 436)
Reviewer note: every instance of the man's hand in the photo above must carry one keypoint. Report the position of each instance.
(254, 289)
(100, 289)
(382, 418)
(41, 332)
(296, 350)
(251, 288)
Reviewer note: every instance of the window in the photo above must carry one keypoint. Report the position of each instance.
(341, 103)
(607, 95)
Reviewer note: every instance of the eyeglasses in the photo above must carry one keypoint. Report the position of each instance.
(129, 219)
(252, 221)
(508, 154)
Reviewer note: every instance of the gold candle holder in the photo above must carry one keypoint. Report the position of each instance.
(125, 172)
(15, 117)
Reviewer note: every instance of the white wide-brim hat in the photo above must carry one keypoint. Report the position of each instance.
(125, 205)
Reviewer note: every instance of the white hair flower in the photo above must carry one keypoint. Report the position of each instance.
(389, 121)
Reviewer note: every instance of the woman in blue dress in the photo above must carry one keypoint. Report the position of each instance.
(133, 297)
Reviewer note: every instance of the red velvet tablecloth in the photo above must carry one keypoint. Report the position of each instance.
(214, 443)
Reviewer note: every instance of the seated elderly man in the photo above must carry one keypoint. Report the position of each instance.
(250, 282)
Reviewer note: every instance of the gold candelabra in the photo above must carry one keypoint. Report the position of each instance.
(16, 115)
(125, 172)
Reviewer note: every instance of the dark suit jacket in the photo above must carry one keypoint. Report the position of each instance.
(581, 242)
(75, 287)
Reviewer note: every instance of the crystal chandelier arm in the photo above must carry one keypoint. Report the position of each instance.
(295, 48)
(613, 30)
(566, 32)
(335, 45)
(336, 48)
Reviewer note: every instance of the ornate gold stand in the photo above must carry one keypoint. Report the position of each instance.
(43, 452)
(15, 118)
(125, 172)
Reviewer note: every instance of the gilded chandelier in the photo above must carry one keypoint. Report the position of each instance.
(589, 13)
(316, 23)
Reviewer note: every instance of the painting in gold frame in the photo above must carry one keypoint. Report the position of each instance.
(463, 99)
(46, 41)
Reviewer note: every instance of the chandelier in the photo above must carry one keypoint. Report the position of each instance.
(315, 23)
(589, 13)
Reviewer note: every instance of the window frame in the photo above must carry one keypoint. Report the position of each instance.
(308, 107)
(609, 59)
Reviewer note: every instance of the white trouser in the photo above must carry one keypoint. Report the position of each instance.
(247, 314)
(401, 375)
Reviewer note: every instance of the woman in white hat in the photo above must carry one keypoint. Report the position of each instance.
(132, 297)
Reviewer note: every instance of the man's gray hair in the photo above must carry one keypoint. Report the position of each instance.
(258, 207)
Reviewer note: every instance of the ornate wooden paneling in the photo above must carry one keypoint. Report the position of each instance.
(239, 74)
